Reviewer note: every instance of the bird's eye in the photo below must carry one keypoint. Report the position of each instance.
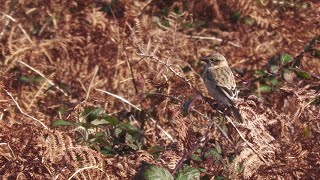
(215, 61)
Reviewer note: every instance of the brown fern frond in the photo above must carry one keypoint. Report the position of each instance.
(259, 12)
(60, 150)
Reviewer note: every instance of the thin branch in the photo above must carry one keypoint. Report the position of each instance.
(215, 39)
(215, 123)
(165, 132)
(246, 141)
(6, 24)
(192, 86)
(24, 112)
(42, 75)
(91, 82)
(190, 151)
(9, 148)
(19, 25)
(137, 108)
(130, 68)
(197, 112)
(119, 97)
(36, 95)
(86, 168)
(172, 70)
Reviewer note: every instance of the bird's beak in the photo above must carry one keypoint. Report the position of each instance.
(203, 59)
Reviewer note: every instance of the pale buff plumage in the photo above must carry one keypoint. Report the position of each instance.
(220, 81)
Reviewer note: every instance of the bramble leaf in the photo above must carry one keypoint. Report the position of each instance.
(303, 74)
(61, 122)
(151, 172)
(285, 58)
(265, 89)
(188, 173)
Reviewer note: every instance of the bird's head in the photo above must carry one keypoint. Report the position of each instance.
(215, 59)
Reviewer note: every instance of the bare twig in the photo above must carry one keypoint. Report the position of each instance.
(24, 112)
(246, 141)
(191, 85)
(37, 94)
(119, 97)
(130, 68)
(196, 111)
(156, 59)
(215, 39)
(27, 36)
(9, 148)
(6, 24)
(143, 7)
(137, 108)
(42, 75)
(91, 82)
(159, 127)
(215, 123)
(86, 168)
(196, 146)
(19, 25)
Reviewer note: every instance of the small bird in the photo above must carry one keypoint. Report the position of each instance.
(220, 82)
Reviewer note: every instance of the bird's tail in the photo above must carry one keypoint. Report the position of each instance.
(237, 113)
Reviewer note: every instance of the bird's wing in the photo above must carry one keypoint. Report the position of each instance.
(225, 82)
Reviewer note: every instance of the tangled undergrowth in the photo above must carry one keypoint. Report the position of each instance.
(110, 89)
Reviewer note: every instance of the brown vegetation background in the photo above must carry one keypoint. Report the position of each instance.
(94, 89)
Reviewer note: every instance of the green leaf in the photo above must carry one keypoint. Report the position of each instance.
(107, 151)
(97, 122)
(92, 113)
(248, 21)
(112, 120)
(62, 110)
(153, 172)
(128, 128)
(260, 73)
(188, 173)
(165, 23)
(133, 146)
(187, 25)
(302, 74)
(240, 168)
(286, 58)
(117, 132)
(61, 122)
(100, 134)
(265, 89)
(195, 157)
(218, 147)
(273, 69)
(213, 153)
(156, 150)
(24, 79)
(235, 16)
(201, 169)
(274, 81)
(38, 79)
(219, 178)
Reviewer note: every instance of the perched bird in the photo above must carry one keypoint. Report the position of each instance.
(220, 82)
